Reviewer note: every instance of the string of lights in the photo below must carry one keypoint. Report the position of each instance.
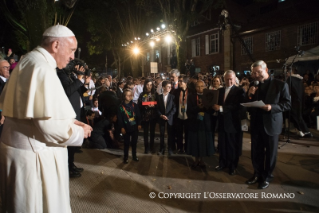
(152, 37)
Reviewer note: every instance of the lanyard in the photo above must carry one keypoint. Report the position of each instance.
(127, 113)
(181, 97)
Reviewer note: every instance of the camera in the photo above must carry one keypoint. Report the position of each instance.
(70, 67)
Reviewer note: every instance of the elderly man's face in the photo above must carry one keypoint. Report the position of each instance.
(229, 80)
(260, 73)
(4, 69)
(174, 77)
(200, 86)
(64, 51)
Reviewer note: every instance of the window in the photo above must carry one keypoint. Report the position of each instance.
(307, 34)
(195, 47)
(212, 43)
(273, 40)
(249, 44)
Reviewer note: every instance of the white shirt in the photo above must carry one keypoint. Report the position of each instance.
(96, 109)
(165, 99)
(90, 86)
(3, 78)
(138, 89)
(175, 85)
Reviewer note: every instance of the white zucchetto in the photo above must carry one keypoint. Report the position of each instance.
(58, 31)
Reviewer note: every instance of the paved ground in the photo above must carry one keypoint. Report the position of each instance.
(108, 185)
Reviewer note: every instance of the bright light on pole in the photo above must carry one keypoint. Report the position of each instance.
(152, 44)
(168, 39)
(136, 50)
(163, 26)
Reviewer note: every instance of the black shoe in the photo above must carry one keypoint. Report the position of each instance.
(253, 180)
(74, 174)
(308, 135)
(263, 185)
(218, 168)
(232, 172)
(125, 161)
(146, 152)
(76, 168)
(135, 159)
(161, 152)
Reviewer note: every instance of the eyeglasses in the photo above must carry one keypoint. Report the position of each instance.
(180, 81)
(6, 67)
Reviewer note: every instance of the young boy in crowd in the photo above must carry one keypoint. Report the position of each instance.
(166, 110)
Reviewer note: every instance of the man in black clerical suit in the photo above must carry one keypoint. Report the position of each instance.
(166, 110)
(296, 88)
(74, 89)
(266, 122)
(229, 126)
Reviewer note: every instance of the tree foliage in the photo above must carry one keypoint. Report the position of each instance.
(31, 17)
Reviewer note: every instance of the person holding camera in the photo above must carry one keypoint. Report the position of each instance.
(71, 79)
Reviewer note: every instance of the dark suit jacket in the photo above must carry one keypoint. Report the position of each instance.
(170, 108)
(279, 99)
(296, 91)
(119, 93)
(2, 83)
(229, 120)
(74, 89)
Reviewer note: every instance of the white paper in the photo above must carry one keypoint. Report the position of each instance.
(253, 104)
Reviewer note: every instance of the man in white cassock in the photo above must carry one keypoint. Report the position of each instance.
(40, 123)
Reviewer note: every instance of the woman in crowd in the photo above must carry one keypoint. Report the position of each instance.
(200, 140)
(216, 83)
(129, 121)
(148, 114)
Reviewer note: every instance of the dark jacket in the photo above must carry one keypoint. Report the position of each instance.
(192, 113)
(2, 83)
(278, 97)
(229, 120)
(170, 108)
(123, 120)
(297, 92)
(147, 113)
(74, 89)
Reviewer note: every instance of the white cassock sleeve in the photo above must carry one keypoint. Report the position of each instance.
(60, 131)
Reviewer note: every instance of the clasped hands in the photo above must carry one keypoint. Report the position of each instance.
(87, 128)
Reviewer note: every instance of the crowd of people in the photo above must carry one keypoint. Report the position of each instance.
(46, 108)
